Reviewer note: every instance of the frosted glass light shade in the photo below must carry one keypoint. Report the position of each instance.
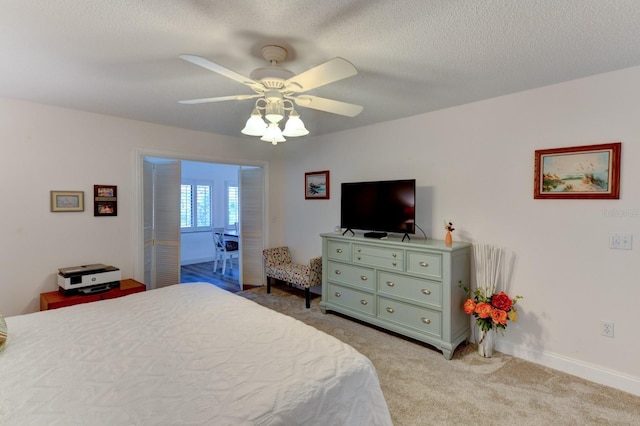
(294, 126)
(273, 134)
(255, 125)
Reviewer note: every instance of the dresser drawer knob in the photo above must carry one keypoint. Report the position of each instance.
(359, 250)
(394, 264)
(395, 255)
(363, 277)
(364, 302)
(424, 264)
(338, 272)
(390, 283)
(426, 320)
(425, 291)
(359, 258)
(338, 250)
(338, 294)
(390, 310)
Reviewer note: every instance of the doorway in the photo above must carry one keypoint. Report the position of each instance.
(209, 200)
(158, 237)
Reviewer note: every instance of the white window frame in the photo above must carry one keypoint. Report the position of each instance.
(194, 183)
(227, 220)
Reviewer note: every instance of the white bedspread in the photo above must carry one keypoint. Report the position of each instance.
(181, 355)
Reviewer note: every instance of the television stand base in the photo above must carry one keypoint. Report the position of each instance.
(375, 234)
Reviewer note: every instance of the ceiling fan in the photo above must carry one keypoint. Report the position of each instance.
(278, 89)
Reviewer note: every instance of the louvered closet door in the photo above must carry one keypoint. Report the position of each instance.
(251, 223)
(166, 224)
(147, 182)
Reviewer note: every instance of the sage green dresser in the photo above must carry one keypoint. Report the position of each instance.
(411, 287)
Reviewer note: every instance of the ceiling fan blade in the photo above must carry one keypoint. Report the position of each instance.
(328, 105)
(205, 63)
(329, 72)
(219, 99)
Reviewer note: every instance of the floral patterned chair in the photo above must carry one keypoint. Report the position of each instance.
(279, 266)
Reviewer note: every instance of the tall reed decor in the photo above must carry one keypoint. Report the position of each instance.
(491, 308)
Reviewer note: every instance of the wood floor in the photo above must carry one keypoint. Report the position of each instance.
(203, 272)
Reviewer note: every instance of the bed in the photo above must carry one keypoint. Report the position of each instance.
(188, 354)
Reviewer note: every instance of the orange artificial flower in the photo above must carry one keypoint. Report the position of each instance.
(483, 310)
(499, 316)
(469, 306)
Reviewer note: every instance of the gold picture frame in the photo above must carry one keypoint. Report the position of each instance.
(67, 201)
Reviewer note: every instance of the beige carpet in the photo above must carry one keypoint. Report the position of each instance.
(422, 388)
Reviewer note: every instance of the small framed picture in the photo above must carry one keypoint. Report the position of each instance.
(316, 185)
(579, 172)
(67, 201)
(105, 200)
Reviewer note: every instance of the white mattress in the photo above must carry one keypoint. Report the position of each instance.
(185, 354)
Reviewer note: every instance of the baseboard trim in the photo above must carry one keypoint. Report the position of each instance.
(185, 262)
(574, 367)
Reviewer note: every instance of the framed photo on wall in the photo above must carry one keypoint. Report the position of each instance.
(105, 200)
(67, 201)
(579, 172)
(316, 185)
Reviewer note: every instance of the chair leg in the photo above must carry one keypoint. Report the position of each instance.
(268, 285)
(224, 263)
(307, 297)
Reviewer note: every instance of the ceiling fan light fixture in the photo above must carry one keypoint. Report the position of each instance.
(274, 112)
(294, 126)
(255, 124)
(277, 89)
(273, 134)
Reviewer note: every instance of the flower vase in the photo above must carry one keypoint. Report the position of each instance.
(486, 342)
(448, 239)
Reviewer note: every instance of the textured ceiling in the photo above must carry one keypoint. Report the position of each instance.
(120, 57)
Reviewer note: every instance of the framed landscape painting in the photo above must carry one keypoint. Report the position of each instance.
(581, 172)
(67, 201)
(316, 185)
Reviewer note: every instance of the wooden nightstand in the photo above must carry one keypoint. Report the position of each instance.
(54, 300)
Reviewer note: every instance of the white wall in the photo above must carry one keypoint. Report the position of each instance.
(48, 148)
(474, 166)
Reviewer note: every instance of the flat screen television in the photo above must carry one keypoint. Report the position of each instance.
(382, 206)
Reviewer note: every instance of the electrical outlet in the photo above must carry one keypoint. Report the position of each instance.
(621, 241)
(606, 328)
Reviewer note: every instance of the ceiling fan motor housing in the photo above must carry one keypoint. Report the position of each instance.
(272, 77)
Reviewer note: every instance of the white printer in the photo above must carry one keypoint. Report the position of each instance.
(88, 279)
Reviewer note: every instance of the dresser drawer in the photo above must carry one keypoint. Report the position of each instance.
(352, 275)
(414, 289)
(338, 250)
(378, 256)
(423, 320)
(352, 299)
(425, 264)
